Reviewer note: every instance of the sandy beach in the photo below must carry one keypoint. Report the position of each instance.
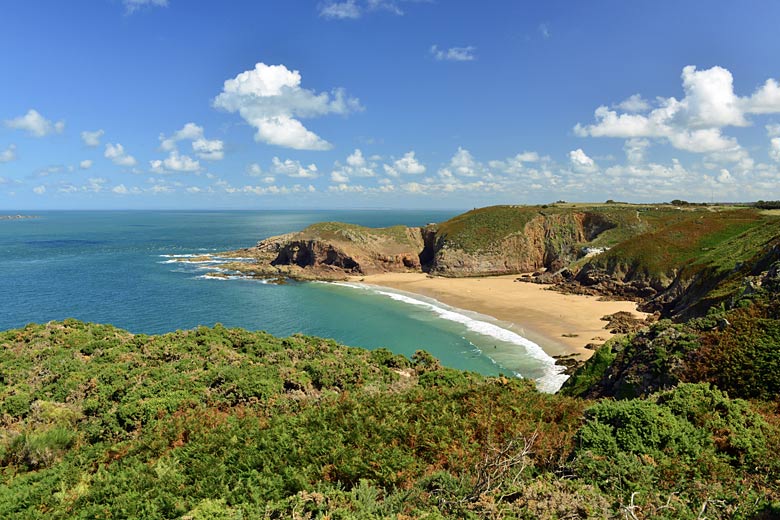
(560, 323)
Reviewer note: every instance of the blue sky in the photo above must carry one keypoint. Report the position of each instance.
(385, 103)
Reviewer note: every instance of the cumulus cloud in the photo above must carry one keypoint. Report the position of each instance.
(35, 124)
(774, 149)
(210, 150)
(294, 169)
(86, 164)
(515, 165)
(9, 154)
(407, 165)
(175, 162)
(254, 170)
(39, 190)
(354, 9)
(356, 165)
(635, 103)
(116, 152)
(462, 164)
(693, 123)
(453, 53)
(92, 138)
(581, 163)
(339, 176)
(270, 98)
(133, 5)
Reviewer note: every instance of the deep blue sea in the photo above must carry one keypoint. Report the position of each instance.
(115, 267)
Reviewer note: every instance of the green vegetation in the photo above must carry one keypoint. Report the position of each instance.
(339, 231)
(485, 228)
(225, 423)
(677, 420)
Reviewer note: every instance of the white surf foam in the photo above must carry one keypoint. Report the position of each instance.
(550, 382)
(212, 277)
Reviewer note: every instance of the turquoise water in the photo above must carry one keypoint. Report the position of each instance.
(115, 267)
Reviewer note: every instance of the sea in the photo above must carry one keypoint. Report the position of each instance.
(125, 268)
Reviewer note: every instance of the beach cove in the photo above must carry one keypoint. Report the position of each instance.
(562, 324)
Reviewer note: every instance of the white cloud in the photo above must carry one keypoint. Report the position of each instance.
(462, 164)
(356, 159)
(294, 169)
(270, 98)
(408, 165)
(354, 9)
(515, 165)
(211, 150)
(635, 149)
(725, 177)
(121, 189)
(39, 190)
(35, 124)
(94, 184)
(86, 164)
(341, 10)
(133, 5)
(635, 103)
(356, 166)
(773, 130)
(116, 152)
(694, 123)
(774, 149)
(339, 176)
(765, 100)
(92, 138)
(581, 162)
(175, 162)
(454, 53)
(9, 154)
(544, 30)
(254, 170)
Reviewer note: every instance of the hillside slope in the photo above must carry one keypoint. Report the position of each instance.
(225, 423)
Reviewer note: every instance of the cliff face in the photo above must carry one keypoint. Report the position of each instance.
(541, 241)
(545, 241)
(333, 249)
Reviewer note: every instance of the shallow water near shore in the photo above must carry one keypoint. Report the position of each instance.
(138, 270)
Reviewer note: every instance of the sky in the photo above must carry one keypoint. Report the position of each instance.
(290, 104)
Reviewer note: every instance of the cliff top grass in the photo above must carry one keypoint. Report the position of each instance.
(485, 228)
(693, 239)
(390, 238)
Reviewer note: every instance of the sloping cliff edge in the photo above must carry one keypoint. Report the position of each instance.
(673, 261)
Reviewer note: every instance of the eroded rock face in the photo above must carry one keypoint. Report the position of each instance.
(546, 242)
(314, 253)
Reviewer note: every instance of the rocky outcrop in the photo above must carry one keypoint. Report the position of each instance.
(333, 250)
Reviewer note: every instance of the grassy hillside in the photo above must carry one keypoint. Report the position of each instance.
(225, 423)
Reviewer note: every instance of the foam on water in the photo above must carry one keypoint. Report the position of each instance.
(550, 382)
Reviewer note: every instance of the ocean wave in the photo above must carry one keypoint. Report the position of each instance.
(553, 376)
(193, 262)
(212, 277)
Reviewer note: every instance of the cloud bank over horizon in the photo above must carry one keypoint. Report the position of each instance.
(328, 107)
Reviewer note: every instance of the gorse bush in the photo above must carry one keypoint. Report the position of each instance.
(225, 423)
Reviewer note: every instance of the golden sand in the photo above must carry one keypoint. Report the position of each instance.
(559, 323)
